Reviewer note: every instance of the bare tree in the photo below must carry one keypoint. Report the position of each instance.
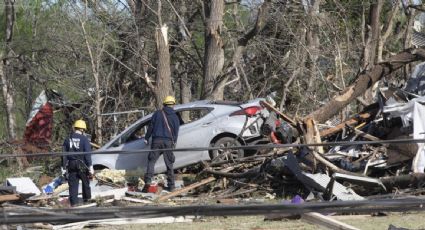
(214, 47)
(6, 71)
(163, 73)
(94, 61)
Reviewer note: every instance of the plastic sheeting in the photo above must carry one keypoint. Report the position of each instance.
(412, 112)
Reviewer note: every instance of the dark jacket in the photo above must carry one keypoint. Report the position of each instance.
(158, 128)
(77, 143)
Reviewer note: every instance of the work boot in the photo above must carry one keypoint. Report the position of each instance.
(146, 188)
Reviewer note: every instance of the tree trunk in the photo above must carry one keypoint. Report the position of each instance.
(214, 51)
(97, 101)
(372, 43)
(185, 85)
(313, 43)
(242, 43)
(364, 81)
(163, 77)
(140, 11)
(6, 70)
(387, 30)
(408, 37)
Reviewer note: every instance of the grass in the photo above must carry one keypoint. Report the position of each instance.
(404, 220)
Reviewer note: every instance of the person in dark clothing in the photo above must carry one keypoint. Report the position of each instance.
(78, 167)
(164, 130)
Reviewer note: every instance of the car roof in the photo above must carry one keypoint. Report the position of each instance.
(200, 103)
(217, 102)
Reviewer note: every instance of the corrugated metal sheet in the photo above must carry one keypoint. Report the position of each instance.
(340, 191)
(418, 39)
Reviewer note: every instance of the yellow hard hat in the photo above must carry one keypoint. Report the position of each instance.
(80, 124)
(169, 100)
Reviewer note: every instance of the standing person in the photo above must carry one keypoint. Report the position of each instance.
(164, 129)
(78, 167)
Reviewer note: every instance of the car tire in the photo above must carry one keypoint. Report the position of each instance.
(227, 154)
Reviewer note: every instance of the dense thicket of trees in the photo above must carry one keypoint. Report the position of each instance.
(116, 55)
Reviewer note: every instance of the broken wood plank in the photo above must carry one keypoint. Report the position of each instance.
(323, 160)
(284, 116)
(365, 135)
(350, 122)
(9, 197)
(325, 221)
(192, 186)
(317, 138)
(186, 189)
(312, 136)
(135, 200)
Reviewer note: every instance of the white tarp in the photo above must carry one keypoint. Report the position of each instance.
(412, 112)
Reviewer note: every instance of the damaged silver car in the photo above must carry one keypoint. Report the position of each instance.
(203, 124)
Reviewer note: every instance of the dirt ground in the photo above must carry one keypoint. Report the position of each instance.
(400, 220)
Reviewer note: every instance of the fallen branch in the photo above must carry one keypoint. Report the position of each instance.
(364, 81)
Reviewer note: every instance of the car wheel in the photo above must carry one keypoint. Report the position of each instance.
(226, 154)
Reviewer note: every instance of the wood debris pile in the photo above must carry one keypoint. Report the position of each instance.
(331, 172)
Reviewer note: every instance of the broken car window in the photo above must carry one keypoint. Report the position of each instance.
(191, 115)
(133, 134)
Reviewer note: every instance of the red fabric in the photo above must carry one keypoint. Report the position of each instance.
(39, 130)
(274, 138)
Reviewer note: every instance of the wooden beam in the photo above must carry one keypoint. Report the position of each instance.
(186, 189)
(350, 122)
(325, 221)
(10, 197)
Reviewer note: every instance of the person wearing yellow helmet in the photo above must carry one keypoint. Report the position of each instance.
(164, 130)
(78, 167)
(169, 100)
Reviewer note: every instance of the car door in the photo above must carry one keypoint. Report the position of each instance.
(131, 140)
(195, 132)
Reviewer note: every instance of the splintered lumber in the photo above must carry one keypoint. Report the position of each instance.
(186, 189)
(364, 81)
(324, 161)
(325, 221)
(350, 122)
(365, 135)
(312, 136)
(192, 186)
(9, 197)
(284, 116)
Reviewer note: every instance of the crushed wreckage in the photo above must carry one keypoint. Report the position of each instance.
(304, 159)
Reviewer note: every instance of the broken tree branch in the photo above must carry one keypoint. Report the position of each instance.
(365, 81)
